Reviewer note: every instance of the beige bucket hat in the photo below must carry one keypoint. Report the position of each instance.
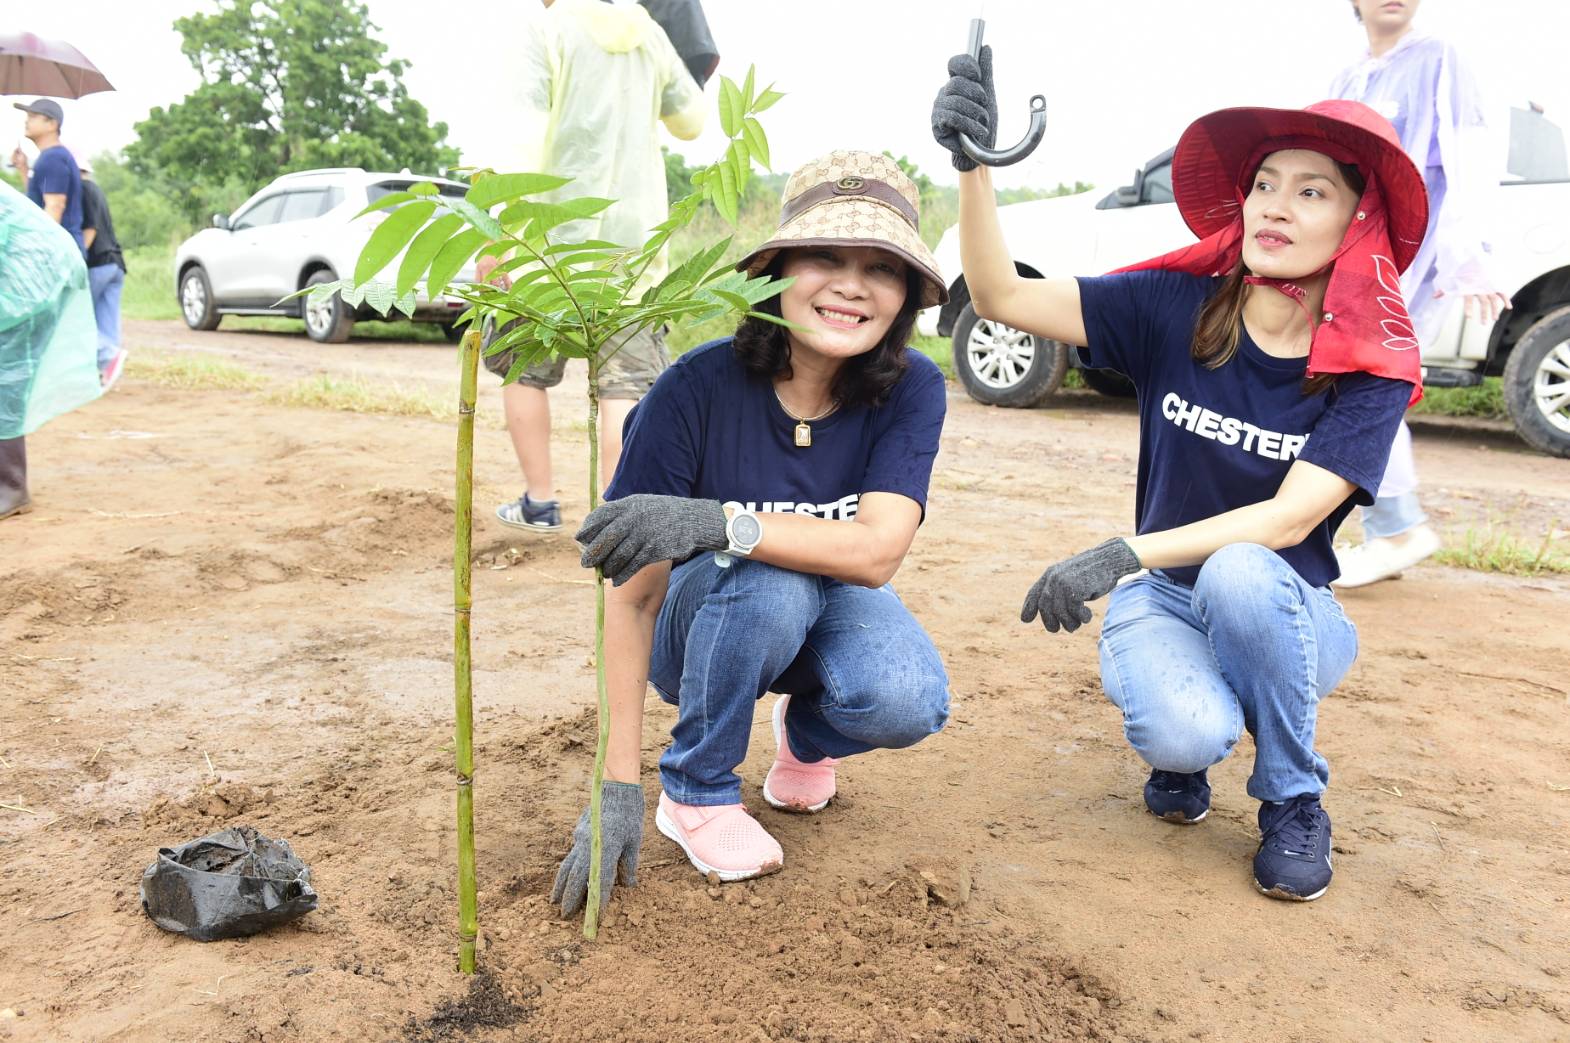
(849, 198)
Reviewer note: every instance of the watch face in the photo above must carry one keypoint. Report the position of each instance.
(745, 529)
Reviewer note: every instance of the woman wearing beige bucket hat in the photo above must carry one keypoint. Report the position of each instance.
(1273, 360)
(801, 455)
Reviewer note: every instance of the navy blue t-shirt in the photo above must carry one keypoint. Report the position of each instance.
(710, 430)
(56, 174)
(1214, 440)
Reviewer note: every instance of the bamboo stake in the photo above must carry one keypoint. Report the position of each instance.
(463, 693)
(591, 912)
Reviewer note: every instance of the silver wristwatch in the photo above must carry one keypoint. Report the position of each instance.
(743, 532)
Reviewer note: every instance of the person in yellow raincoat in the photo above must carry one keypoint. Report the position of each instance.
(587, 91)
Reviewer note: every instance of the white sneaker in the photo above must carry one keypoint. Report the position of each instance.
(1384, 558)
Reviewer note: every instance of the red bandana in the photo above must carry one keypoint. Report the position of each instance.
(1364, 327)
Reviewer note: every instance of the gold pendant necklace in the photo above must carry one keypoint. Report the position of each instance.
(803, 423)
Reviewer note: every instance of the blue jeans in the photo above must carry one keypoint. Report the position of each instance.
(107, 280)
(1251, 645)
(861, 672)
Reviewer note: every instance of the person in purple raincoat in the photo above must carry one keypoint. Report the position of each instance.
(1420, 83)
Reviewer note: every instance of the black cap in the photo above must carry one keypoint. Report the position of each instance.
(44, 107)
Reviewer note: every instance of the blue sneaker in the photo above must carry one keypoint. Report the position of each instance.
(534, 515)
(1294, 849)
(1177, 796)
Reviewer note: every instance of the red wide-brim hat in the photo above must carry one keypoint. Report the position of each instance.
(1210, 168)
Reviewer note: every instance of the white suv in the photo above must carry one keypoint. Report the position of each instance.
(298, 231)
(1529, 225)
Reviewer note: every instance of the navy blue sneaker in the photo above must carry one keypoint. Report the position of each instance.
(1294, 849)
(1178, 796)
(535, 515)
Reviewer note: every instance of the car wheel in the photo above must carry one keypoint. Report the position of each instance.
(1108, 382)
(1002, 366)
(327, 321)
(196, 300)
(1537, 384)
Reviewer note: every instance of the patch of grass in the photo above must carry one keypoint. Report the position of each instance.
(192, 373)
(1485, 400)
(1499, 550)
(353, 395)
(939, 350)
(149, 284)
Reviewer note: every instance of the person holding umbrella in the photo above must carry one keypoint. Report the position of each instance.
(54, 183)
(1273, 360)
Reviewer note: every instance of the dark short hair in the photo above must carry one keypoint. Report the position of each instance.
(866, 379)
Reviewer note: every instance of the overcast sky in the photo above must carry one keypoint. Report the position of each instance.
(1121, 77)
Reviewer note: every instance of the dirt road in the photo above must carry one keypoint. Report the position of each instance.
(226, 611)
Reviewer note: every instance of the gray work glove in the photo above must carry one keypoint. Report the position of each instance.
(621, 835)
(1061, 592)
(966, 105)
(624, 535)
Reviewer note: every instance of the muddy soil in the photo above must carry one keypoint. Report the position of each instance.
(224, 611)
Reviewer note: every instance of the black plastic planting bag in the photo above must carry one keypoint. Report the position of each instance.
(227, 885)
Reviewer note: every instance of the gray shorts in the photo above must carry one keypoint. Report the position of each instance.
(628, 373)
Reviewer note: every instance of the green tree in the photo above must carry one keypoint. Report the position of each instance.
(286, 85)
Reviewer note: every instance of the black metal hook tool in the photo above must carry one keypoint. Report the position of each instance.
(993, 157)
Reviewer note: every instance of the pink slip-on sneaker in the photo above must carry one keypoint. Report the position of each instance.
(792, 785)
(723, 840)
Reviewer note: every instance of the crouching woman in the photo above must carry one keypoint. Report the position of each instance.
(1273, 361)
(770, 486)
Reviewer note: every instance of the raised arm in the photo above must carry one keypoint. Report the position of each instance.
(967, 106)
(1046, 307)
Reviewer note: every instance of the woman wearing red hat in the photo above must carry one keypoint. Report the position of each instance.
(1273, 360)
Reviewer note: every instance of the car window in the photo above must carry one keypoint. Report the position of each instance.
(306, 203)
(263, 212)
(1158, 185)
(301, 205)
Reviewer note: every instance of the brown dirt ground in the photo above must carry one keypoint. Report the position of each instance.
(224, 611)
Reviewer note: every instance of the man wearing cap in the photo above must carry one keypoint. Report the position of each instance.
(54, 183)
(106, 273)
(591, 82)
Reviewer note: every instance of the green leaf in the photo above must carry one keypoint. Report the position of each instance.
(746, 89)
(586, 206)
(766, 317)
(730, 107)
(766, 100)
(423, 250)
(391, 236)
(735, 300)
(498, 188)
(543, 217)
(454, 253)
(684, 275)
(740, 165)
(588, 244)
(476, 217)
(757, 141)
(423, 188)
(727, 194)
(390, 199)
(315, 291)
